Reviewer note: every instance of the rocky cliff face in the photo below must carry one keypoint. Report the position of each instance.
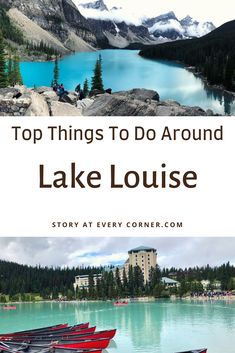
(119, 35)
(59, 17)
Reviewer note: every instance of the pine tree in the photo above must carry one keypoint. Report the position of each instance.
(16, 75)
(118, 282)
(229, 71)
(56, 72)
(124, 282)
(3, 74)
(10, 70)
(91, 286)
(86, 88)
(97, 80)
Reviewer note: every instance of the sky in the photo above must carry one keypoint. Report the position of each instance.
(215, 11)
(177, 252)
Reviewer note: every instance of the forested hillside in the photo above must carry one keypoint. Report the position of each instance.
(8, 29)
(212, 55)
(17, 280)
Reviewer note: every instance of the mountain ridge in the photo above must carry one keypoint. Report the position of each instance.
(59, 18)
(161, 28)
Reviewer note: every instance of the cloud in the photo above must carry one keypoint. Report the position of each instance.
(177, 252)
(134, 10)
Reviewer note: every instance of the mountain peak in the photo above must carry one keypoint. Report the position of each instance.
(187, 21)
(97, 5)
(167, 16)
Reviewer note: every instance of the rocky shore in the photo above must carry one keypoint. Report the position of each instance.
(43, 101)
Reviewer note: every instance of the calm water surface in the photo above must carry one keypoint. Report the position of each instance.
(159, 327)
(125, 69)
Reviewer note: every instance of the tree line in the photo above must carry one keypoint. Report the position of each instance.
(213, 55)
(9, 66)
(23, 282)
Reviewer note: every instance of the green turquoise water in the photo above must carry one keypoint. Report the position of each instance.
(158, 327)
(124, 70)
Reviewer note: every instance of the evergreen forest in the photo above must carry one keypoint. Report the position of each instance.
(212, 55)
(21, 282)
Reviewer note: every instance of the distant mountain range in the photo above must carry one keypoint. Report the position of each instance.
(168, 26)
(67, 25)
(165, 27)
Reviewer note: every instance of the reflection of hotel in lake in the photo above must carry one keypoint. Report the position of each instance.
(142, 256)
(132, 318)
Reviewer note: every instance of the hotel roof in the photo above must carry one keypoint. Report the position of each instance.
(142, 248)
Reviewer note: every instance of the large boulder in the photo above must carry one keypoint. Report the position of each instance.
(138, 102)
(120, 105)
(50, 96)
(85, 103)
(38, 106)
(42, 89)
(64, 109)
(141, 94)
(73, 96)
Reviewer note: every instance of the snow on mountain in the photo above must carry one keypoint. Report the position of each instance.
(168, 26)
(194, 28)
(106, 11)
(163, 26)
(97, 5)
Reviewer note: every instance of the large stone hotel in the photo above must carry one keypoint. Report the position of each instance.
(143, 256)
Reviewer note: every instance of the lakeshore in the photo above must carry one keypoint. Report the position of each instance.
(132, 300)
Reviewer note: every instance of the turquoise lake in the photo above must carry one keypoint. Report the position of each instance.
(158, 327)
(124, 70)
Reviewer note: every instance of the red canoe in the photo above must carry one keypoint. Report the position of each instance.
(96, 335)
(49, 336)
(9, 307)
(204, 350)
(120, 303)
(58, 329)
(64, 340)
(99, 343)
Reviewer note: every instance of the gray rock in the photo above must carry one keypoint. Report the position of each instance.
(119, 105)
(65, 99)
(85, 103)
(138, 102)
(42, 89)
(209, 112)
(73, 97)
(141, 94)
(64, 109)
(15, 108)
(10, 92)
(38, 106)
(50, 96)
